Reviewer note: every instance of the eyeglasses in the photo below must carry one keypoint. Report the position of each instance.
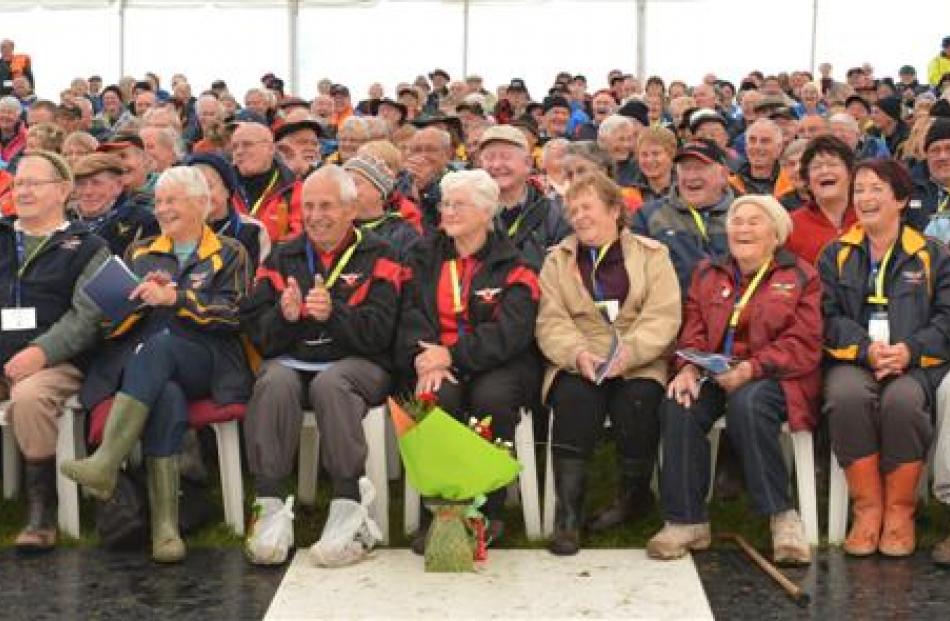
(443, 206)
(32, 184)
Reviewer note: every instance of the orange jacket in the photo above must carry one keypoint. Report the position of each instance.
(783, 184)
(279, 209)
(6, 194)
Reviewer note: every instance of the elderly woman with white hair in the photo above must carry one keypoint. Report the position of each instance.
(12, 133)
(618, 136)
(468, 314)
(760, 308)
(180, 344)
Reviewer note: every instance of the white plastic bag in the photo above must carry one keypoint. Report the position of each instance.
(349, 532)
(273, 535)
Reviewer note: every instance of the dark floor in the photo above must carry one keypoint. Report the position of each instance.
(219, 584)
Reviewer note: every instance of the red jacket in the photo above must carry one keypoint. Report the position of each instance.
(812, 231)
(785, 327)
(6, 194)
(280, 207)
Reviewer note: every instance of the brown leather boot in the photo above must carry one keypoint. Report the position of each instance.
(900, 503)
(867, 505)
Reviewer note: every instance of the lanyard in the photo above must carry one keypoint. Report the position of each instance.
(596, 258)
(741, 304)
(378, 222)
(878, 297)
(270, 186)
(458, 304)
(338, 268)
(513, 229)
(943, 204)
(700, 223)
(233, 222)
(23, 262)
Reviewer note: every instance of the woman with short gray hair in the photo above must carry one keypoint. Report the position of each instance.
(467, 322)
(178, 345)
(12, 133)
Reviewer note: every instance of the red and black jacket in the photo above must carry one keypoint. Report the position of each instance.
(500, 305)
(365, 303)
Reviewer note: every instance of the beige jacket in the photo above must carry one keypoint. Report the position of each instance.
(648, 321)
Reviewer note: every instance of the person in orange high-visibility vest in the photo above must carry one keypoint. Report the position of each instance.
(13, 66)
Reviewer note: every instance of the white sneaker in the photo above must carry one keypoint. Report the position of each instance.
(272, 531)
(349, 532)
(789, 544)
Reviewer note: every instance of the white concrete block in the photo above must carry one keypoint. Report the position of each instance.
(514, 584)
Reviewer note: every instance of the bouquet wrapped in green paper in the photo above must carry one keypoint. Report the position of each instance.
(453, 467)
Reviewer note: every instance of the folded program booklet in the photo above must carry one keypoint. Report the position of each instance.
(709, 362)
(600, 373)
(110, 287)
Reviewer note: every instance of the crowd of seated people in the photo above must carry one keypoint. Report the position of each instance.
(501, 251)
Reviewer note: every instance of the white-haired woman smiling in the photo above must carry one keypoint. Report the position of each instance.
(759, 305)
(181, 344)
(468, 312)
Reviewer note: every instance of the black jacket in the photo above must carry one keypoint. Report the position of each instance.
(539, 226)
(210, 286)
(365, 304)
(393, 228)
(125, 223)
(502, 306)
(928, 195)
(48, 284)
(917, 285)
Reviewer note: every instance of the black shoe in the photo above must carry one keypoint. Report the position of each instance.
(628, 507)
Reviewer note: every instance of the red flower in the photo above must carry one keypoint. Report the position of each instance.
(428, 399)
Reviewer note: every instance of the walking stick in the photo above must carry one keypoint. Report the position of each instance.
(798, 595)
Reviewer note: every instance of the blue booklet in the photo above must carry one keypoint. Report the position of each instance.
(715, 364)
(600, 373)
(110, 287)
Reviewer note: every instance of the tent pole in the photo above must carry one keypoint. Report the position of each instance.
(641, 39)
(293, 14)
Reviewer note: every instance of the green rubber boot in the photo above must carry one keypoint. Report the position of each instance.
(167, 545)
(98, 472)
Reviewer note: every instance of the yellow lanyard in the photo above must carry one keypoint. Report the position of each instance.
(596, 260)
(878, 297)
(945, 202)
(270, 186)
(740, 305)
(700, 223)
(373, 224)
(513, 229)
(338, 268)
(29, 259)
(458, 308)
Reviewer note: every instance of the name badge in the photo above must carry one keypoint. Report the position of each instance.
(610, 308)
(879, 329)
(14, 319)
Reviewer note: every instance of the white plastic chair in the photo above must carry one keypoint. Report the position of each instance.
(527, 486)
(801, 455)
(375, 432)
(71, 444)
(11, 456)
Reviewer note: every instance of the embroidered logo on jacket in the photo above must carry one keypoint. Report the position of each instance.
(197, 279)
(488, 295)
(70, 243)
(351, 279)
(914, 278)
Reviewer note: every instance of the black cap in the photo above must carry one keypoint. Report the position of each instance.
(857, 99)
(219, 85)
(517, 84)
(941, 109)
(939, 130)
(555, 102)
(403, 110)
(891, 106)
(339, 89)
(408, 90)
(293, 102)
(636, 110)
(441, 72)
(246, 115)
(289, 128)
(705, 150)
